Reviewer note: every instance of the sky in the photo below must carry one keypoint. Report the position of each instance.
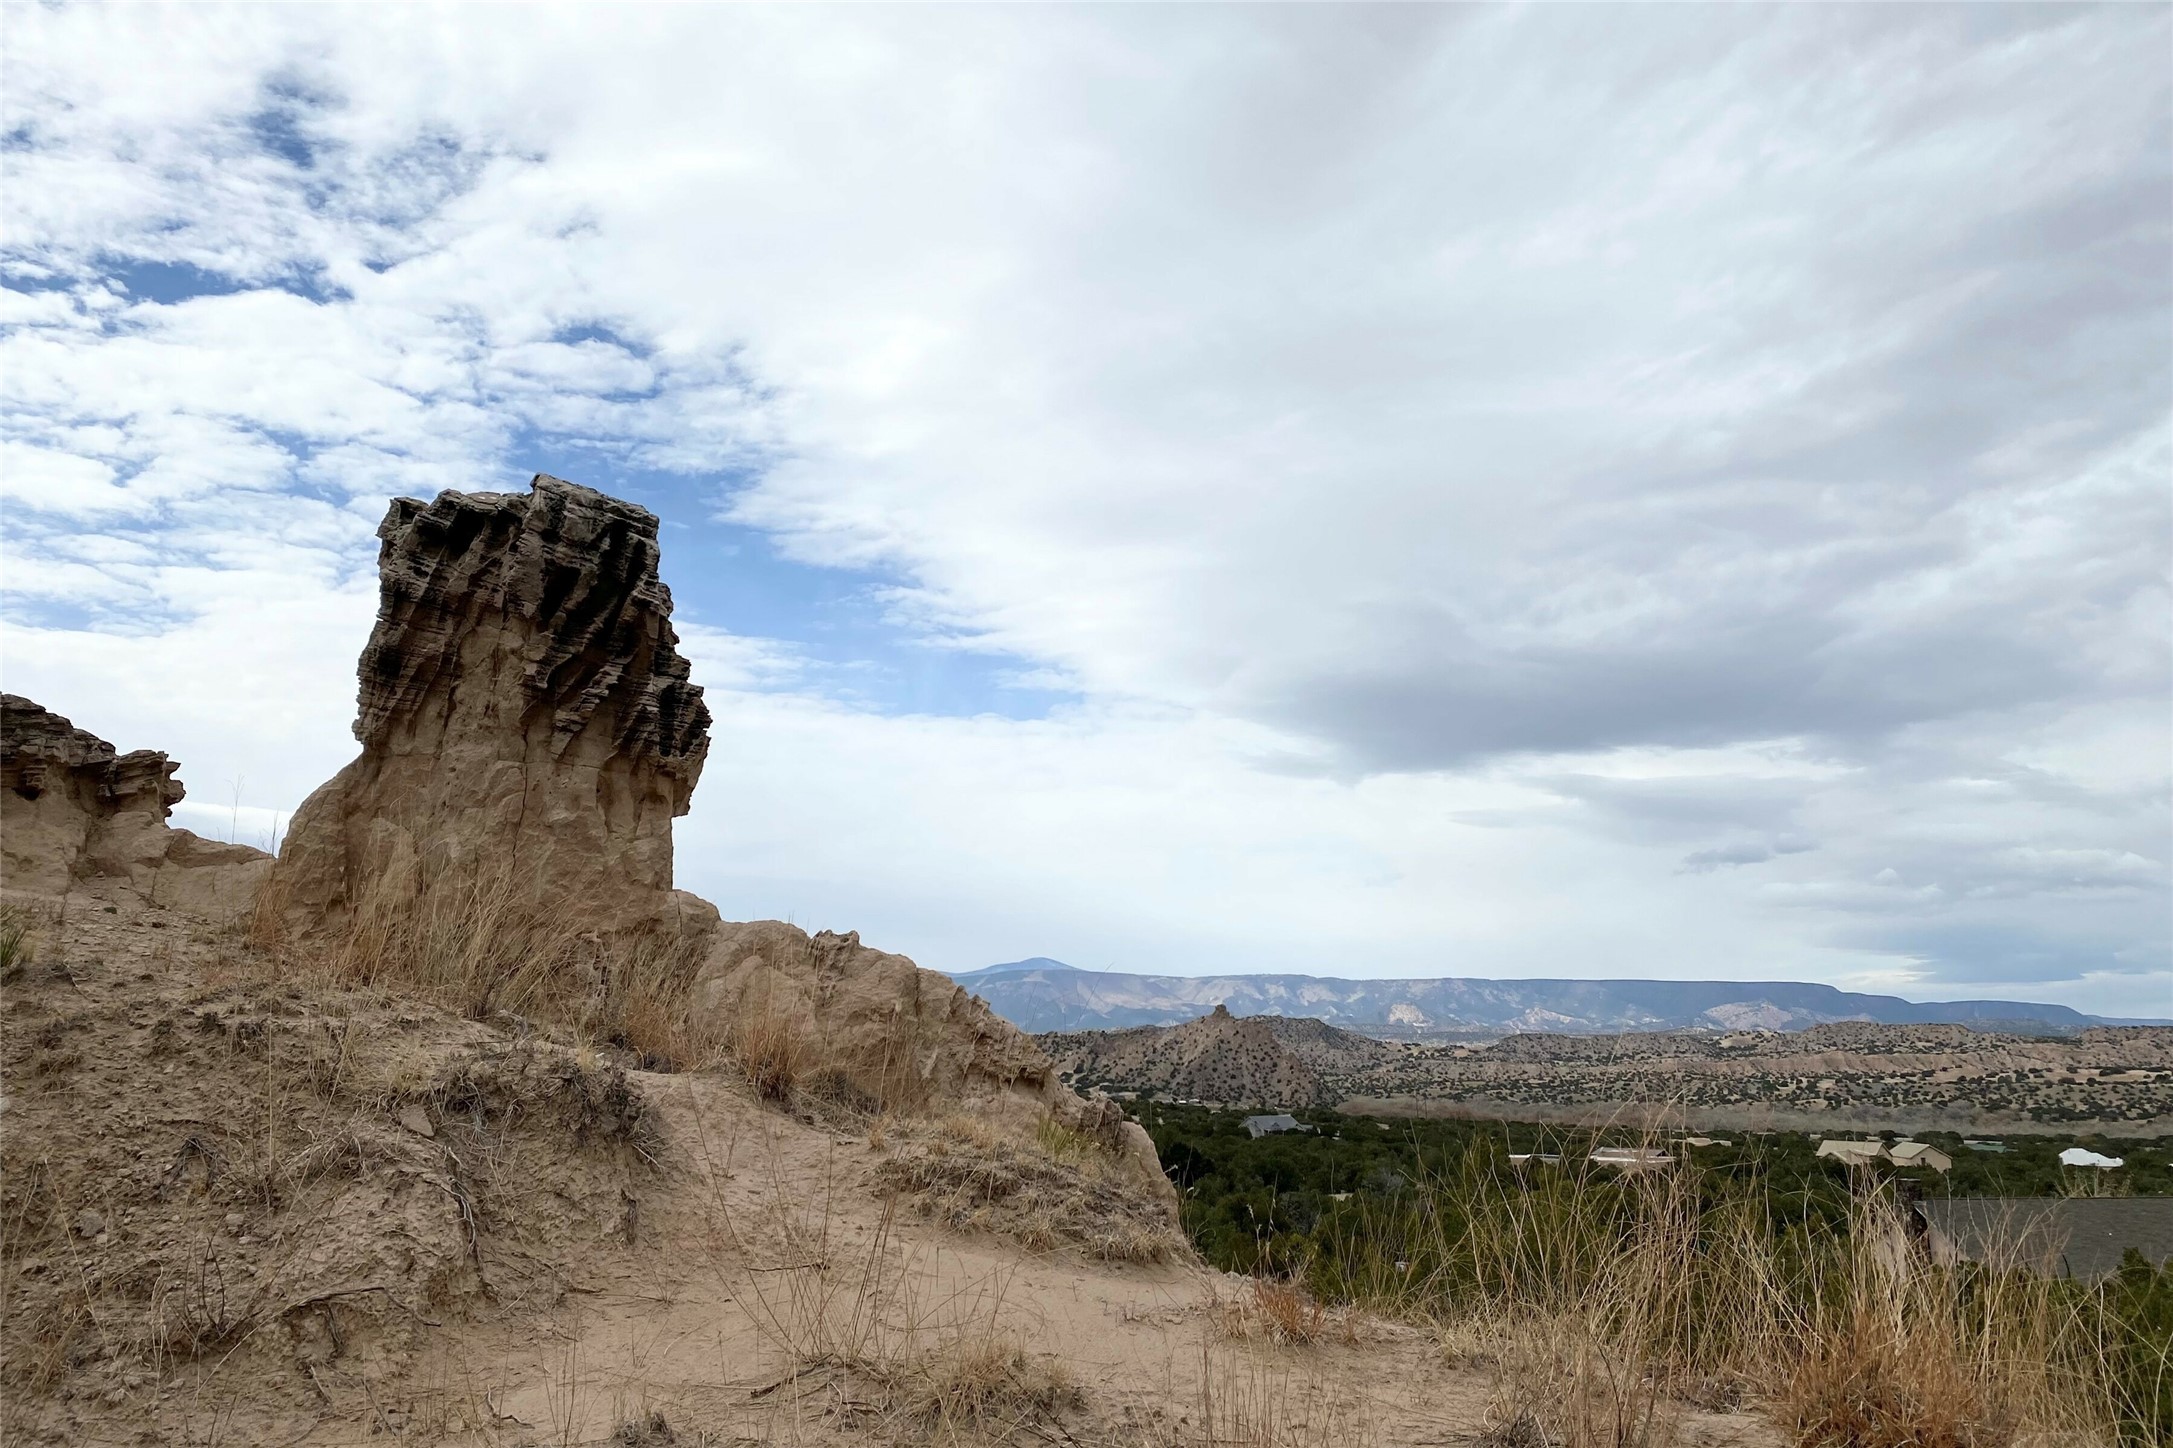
(1623, 491)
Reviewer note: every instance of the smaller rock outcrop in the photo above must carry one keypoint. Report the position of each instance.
(73, 808)
(898, 1034)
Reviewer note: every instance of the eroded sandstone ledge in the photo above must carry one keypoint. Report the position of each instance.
(73, 807)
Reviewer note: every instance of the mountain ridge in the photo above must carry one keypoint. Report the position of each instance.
(1041, 994)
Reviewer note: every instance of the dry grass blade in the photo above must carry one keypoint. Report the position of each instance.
(770, 1053)
(1601, 1301)
(478, 940)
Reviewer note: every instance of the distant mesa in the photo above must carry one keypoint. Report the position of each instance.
(1042, 995)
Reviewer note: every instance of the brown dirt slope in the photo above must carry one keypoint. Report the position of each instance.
(245, 1207)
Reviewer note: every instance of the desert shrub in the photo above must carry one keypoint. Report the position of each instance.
(768, 1047)
(2138, 1348)
(17, 944)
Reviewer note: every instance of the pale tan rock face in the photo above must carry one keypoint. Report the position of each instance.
(898, 1032)
(523, 702)
(72, 807)
(903, 1035)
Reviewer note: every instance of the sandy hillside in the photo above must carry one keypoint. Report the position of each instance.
(245, 1208)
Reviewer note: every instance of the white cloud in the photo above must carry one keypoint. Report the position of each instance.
(1514, 491)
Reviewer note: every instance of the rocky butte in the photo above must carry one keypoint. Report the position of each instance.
(523, 708)
(525, 716)
(528, 725)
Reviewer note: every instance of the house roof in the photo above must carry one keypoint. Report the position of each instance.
(1263, 1125)
(1903, 1152)
(2068, 1236)
(1864, 1149)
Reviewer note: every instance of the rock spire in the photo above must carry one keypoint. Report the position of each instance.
(523, 703)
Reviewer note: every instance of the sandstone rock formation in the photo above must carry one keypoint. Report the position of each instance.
(72, 808)
(901, 1035)
(524, 705)
(525, 710)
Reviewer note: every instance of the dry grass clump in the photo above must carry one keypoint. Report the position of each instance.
(1245, 1402)
(650, 1430)
(1587, 1297)
(18, 940)
(770, 1053)
(1898, 1353)
(1060, 1143)
(1600, 1303)
(968, 1175)
(984, 1384)
(501, 1087)
(1280, 1312)
(478, 941)
(1563, 1380)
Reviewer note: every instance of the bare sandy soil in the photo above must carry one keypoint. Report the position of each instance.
(243, 1207)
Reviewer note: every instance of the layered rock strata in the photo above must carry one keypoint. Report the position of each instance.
(73, 808)
(524, 708)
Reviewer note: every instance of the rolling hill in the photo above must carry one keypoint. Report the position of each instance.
(1249, 1060)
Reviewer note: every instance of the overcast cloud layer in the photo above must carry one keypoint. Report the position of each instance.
(1631, 491)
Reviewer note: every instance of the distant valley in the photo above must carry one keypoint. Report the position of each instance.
(1042, 995)
(1844, 1074)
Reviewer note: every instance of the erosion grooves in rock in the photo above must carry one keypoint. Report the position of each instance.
(523, 704)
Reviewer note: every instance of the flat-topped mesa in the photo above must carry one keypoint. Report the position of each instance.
(523, 704)
(73, 808)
